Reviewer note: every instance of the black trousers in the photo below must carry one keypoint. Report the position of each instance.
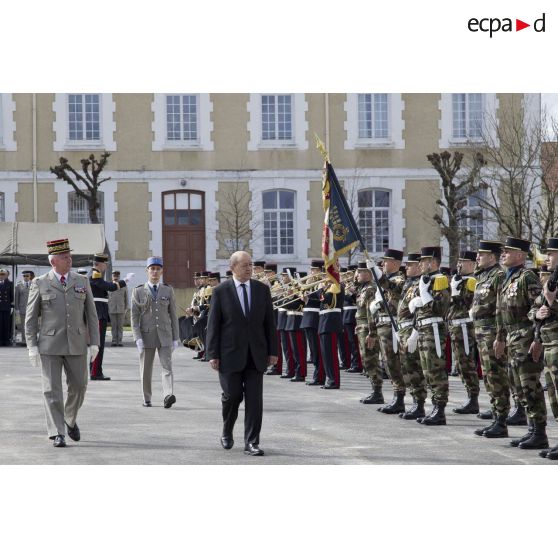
(353, 345)
(96, 367)
(5, 328)
(247, 384)
(314, 345)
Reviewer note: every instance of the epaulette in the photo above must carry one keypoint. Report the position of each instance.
(471, 284)
(96, 275)
(440, 283)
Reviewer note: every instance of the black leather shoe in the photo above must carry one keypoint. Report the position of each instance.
(498, 429)
(253, 449)
(169, 401)
(330, 386)
(298, 379)
(538, 439)
(286, 376)
(471, 407)
(396, 406)
(147, 404)
(73, 432)
(227, 442)
(59, 441)
(517, 417)
(100, 377)
(437, 417)
(314, 383)
(353, 370)
(415, 412)
(515, 442)
(483, 429)
(486, 415)
(375, 398)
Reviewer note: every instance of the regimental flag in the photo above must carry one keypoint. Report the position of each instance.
(340, 233)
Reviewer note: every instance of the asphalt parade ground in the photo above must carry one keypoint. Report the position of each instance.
(302, 424)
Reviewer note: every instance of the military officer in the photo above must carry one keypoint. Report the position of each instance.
(309, 324)
(544, 313)
(429, 306)
(60, 318)
(100, 289)
(349, 325)
(117, 307)
(287, 275)
(391, 281)
(6, 308)
(295, 313)
(461, 331)
(520, 288)
(270, 279)
(155, 328)
(410, 362)
(21, 295)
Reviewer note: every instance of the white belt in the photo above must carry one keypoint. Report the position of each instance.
(293, 313)
(406, 323)
(330, 310)
(384, 320)
(428, 321)
(349, 308)
(311, 310)
(434, 322)
(100, 299)
(460, 321)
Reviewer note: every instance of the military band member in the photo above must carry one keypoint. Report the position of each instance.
(490, 276)
(461, 330)
(155, 328)
(296, 335)
(59, 321)
(349, 325)
(270, 279)
(368, 341)
(6, 308)
(117, 306)
(391, 281)
(289, 372)
(342, 340)
(258, 268)
(410, 362)
(429, 306)
(196, 301)
(21, 295)
(515, 333)
(100, 289)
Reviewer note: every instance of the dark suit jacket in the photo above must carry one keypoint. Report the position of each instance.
(230, 334)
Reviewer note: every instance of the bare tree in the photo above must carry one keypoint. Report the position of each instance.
(457, 186)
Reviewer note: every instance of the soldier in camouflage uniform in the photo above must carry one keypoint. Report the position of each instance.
(391, 281)
(429, 306)
(483, 311)
(460, 327)
(519, 291)
(410, 362)
(369, 348)
(544, 313)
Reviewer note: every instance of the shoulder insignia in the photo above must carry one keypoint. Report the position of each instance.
(471, 284)
(96, 275)
(440, 283)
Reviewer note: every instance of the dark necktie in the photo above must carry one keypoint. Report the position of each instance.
(154, 291)
(63, 281)
(245, 298)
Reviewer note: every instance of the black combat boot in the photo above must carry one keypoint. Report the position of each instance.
(397, 404)
(498, 429)
(552, 453)
(437, 417)
(517, 417)
(480, 431)
(375, 398)
(486, 415)
(516, 441)
(415, 412)
(469, 408)
(538, 439)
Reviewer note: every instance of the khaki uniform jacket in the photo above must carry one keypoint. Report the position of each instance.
(68, 318)
(20, 297)
(154, 320)
(118, 301)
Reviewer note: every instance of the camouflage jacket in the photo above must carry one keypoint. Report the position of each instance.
(364, 295)
(407, 293)
(489, 282)
(515, 298)
(549, 326)
(439, 289)
(461, 303)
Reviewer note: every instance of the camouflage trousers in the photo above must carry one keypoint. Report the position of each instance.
(526, 373)
(465, 363)
(494, 371)
(411, 367)
(434, 366)
(551, 373)
(391, 358)
(370, 364)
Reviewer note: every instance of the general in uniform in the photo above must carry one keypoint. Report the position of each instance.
(117, 307)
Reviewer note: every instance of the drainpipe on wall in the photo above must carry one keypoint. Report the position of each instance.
(34, 164)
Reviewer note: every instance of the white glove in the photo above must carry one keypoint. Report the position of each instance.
(11, 311)
(129, 276)
(94, 351)
(374, 307)
(140, 345)
(455, 285)
(370, 264)
(377, 271)
(425, 296)
(414, 304)
(34, 356)
(174, 345)
(412, 341)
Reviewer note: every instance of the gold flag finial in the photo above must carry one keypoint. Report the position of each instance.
(321, 147)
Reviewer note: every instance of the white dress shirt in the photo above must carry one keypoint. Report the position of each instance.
(241, 296)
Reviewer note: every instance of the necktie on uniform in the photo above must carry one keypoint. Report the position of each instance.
(245, 299)
(63, 281)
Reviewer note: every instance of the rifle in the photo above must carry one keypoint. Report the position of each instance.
(551, 285)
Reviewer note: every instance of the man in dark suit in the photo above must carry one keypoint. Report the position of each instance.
(241, 343)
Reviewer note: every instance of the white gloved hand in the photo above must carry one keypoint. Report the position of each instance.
(374, 307)
(370, 264)
(34, 356)
(425, 296)
(414, 304)
(94, 351)
(140, 345)
(129, 276)
(11, 311)
(454, 284)
(174, 345)
(377, 271)
(412, 342)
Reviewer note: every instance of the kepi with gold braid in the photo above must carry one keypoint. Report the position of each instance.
(60, 246)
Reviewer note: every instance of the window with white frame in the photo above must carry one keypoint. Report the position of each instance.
(78, 208)
(7, 122)
(374, 219)
(84, 120)
(467, 115)
(2, 208)
(277, 117)
(373, 120)
(472, 222)
(279, 218)
(182, 118)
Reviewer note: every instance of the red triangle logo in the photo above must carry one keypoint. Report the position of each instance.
(519, 25)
